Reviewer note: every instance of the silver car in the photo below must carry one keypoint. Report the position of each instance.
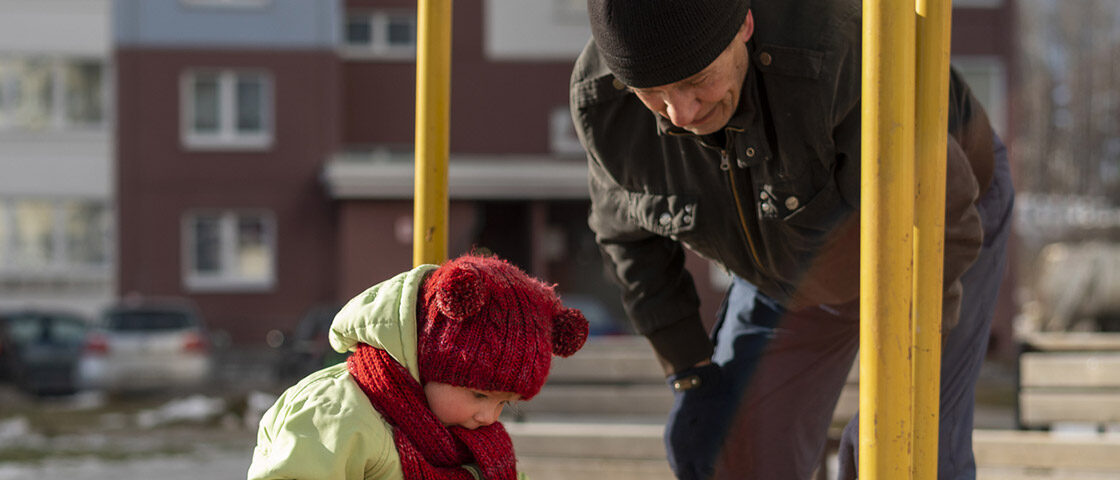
(142, 345)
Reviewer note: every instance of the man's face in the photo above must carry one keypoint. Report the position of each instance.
(704, 102)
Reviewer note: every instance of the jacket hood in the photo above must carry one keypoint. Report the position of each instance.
(384, 316)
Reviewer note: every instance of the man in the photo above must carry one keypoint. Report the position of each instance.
(732, 128)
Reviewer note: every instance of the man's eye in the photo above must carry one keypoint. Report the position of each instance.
(479, 395)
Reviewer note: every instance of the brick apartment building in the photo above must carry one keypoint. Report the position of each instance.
(264, 147)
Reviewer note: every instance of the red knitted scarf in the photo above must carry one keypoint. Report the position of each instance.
(427, 448)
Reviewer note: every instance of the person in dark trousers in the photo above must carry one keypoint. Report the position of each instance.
(732, 128)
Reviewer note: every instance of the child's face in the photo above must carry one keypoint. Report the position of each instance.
(466, 407)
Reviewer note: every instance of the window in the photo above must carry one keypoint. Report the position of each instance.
(229, 250)
(986, 77)
(43, 93)
(226, 3)
(977, 3)
(33, 239)
(381, 34)
(54, 236)
(562, 133)
(224, 109)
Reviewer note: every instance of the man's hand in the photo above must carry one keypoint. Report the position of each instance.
(702, 411)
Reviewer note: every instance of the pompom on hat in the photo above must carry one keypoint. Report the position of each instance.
(649, 43)
(487, 325)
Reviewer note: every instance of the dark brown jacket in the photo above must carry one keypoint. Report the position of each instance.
(774, 202)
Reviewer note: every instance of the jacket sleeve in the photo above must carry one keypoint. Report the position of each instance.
(968, 167)
(311, 432)
(963, 233)
(657, 291)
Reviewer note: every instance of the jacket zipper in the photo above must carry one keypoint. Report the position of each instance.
(725, 165)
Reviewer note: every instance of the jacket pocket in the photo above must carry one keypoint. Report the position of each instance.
(821, 212)
(665, 215)
(804, 227)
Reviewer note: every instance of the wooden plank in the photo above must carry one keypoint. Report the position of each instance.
(1070, 369)
(599, 399)
(1042, 408)
(551, 468)
(587, 440)
(621, 359)
(847, 406)
(1073, 341)
(607, 367)
(1030, 449)
(1035, 473)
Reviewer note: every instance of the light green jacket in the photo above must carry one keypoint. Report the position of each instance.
(324, 427)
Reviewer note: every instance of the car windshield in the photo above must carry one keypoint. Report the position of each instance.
(148, 320)
(32, 328)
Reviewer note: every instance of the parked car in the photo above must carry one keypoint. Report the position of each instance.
(306, 349)
(147, 344)
(39, 349)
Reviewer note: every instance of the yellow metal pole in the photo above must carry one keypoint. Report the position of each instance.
(433, 98)
(886, 245)
(933, 32)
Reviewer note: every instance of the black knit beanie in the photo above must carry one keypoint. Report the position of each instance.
(648, 43)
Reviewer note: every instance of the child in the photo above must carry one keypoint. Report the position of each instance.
(437, 353)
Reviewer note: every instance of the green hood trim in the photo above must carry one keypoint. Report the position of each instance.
(384, 316)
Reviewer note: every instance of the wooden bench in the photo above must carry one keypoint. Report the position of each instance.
(602, 413)
(616, 382)
(1069, 378)
(621, 376)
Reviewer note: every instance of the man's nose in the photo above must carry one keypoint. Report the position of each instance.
(682, 107)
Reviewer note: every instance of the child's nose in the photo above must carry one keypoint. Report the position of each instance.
(487, 416)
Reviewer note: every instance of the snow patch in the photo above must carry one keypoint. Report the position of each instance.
(193, 409)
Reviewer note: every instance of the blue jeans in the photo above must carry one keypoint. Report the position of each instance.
(780, 374)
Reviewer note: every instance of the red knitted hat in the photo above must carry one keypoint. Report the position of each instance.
(485, 324)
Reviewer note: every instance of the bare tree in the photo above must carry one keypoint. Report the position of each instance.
(1069, 137)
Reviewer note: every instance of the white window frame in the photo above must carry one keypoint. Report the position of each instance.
(227, 137)
(57, 117)
(60, 263)
(977, 3)
(562, 137)
(993, 70)
(226, 3)
(379, 47)
(226, 280)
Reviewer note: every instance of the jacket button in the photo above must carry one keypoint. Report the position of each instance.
(618, 85)
(686, 219)
(750, 151)
(765, 58)
(792, 203)
(666, 218)
(764, 195)
(767, 208)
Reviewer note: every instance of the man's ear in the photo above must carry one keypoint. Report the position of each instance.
(747, 29)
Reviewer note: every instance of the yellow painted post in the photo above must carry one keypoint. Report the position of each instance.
(933, 32)
(433, 99)
(886, 244)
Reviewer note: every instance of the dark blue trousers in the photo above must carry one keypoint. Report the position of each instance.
(781, 374)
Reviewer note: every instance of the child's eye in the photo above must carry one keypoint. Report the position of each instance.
(480, 395)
